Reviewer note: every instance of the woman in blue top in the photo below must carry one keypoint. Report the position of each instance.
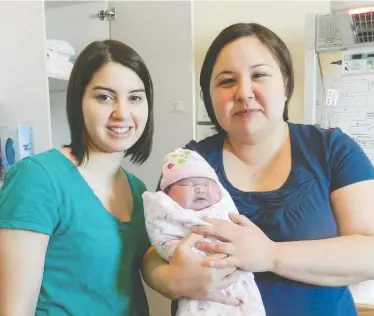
(72, 234)
(305, 193)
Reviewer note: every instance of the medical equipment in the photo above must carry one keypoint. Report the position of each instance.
(339, 70)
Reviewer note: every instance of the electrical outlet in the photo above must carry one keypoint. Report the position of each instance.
(332, 97)
(177, 106)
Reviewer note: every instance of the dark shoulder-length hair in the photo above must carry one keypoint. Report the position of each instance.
(89, 61)
(231, 33)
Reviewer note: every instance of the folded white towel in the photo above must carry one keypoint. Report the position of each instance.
(59, 65)
(58, 73)
(57, 57)
(60, 46)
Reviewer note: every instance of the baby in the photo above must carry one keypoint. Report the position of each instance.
(190, 192)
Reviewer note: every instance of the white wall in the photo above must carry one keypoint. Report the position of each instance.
(285, 18)
(59, 120)
(23, 84)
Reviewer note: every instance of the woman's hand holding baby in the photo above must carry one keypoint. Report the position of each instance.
(191, 277)
(247, 247)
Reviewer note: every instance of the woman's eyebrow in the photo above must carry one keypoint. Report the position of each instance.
(103, 88)
(230, 72)
(224, 72)
(137, 90)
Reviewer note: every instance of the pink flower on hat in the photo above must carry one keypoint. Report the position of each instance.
(184, 163)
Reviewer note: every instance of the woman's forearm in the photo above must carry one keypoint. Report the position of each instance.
(155, 274)
(329, 262)
(22, 255)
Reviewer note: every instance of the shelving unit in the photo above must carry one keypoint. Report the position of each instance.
(57, 85)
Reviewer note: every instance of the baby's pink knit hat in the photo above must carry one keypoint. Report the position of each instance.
(185, 163)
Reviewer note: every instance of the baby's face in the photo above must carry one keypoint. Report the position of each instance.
(195, 193)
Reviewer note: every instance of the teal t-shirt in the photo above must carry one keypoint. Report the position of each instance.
(92, 261)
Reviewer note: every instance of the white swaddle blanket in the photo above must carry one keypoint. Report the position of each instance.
(363, 292)
(167, 223)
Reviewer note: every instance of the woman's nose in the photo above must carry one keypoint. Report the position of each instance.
(121, 110)
(245, 90)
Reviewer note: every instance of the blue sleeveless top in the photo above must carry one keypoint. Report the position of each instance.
(323, 160)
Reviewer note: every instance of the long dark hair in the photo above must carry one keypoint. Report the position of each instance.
(89, 61)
